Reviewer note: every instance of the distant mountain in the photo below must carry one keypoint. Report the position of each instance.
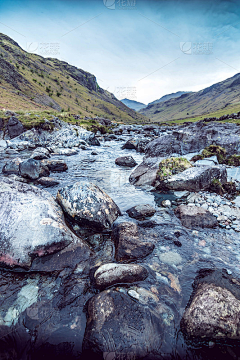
(135, 105)
(29, 81)
(220, 96)
(169, 96)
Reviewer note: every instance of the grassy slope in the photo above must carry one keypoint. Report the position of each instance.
(25, 78)
(219, 99)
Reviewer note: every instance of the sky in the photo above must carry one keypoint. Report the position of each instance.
(137, 49)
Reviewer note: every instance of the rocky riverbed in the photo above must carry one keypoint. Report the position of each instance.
(121, 259)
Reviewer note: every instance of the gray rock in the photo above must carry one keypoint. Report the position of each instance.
(85, 203)
(32, 224)
(128, 243)
(14, 127)
(140, 212)
(40, 154)
(33, 169)
(195, 216)
(12, 167)
(130, 144)
(55, 165)
(111, 274)
(196, 178)
(47, 181)
(126, 161)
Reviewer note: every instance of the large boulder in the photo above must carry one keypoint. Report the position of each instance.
(146, 172)
(196, 178)
(130, 144)
(127, 161)
(32, 224)
(14, 127)
(12, 167)
(128, 243)
(195, 216)
(214, 308)
(85, 203)
(119, 326)
(32, 169)
(111, 274)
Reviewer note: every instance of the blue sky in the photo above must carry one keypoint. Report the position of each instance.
(136, 49)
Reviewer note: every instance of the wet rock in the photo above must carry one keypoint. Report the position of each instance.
(55, 165)
(214, 308)
(196, 178)
(146, 172)
(195, 216)
(166, 203)
(32, 224)
(128, 243)
(65, 151)
(126, 324)
(14, 127)
(33, 169)
(126, 161)
(40, 154)
(94, 141)
(85, 203)
(12, 167)
(47, 181)
(170, 258)
(130, 144)
(94, 153)
(111, 274)
(140, 212)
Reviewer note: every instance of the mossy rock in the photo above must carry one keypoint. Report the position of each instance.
(212, 150)
(219, 188)
(172, 166)
(233, 160)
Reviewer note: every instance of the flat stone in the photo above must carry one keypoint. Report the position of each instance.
(195, 216)
(111, 274)
(141, 212)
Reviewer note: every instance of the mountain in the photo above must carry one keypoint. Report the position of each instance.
(32, 82)
(220, 98)
(135, 105)
(169, 96)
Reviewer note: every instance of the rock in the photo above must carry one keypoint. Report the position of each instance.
(166, 203)
(126, 161)
(47, 181)
(32, 224)
(128, 244)
(140, 212)
(40, 154)
(33, 169)
(55, 165)
(130, 144)
(14, 127)
(146, 172)
(214, 309)
(12, 167)
(85, 203)
(94, 153)
(1, 124)
(196, 178)
(94, 141)
(111, 274)
(171, 257)
(3, 145)
(126, 324)
(195, 216)
(65, 151)
(11, 152)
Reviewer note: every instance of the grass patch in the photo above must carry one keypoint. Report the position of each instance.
(172, 166)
